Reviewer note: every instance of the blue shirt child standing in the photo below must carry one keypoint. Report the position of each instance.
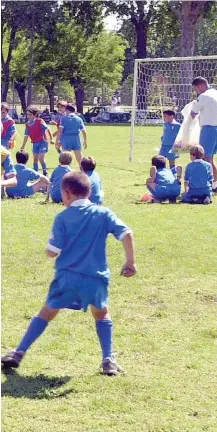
(78, 241)
(170, 131)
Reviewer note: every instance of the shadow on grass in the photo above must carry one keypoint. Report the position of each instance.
(34, 387)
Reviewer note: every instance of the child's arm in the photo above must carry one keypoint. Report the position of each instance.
(186, 185)
(129, 268)
(84, 133)
(153, 173)
(48, 193)
(59, 133)
(9, 182)
(24, 142)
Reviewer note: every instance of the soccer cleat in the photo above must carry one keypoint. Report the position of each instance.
(110, 367)
(12, 359)
(207, 200)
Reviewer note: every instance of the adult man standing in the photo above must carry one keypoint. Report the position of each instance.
(206, 105)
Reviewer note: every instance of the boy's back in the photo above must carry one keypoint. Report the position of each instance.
(96, 195)
(165, 176)
(56, 178)
(79, 233)
(199, 174)
(71, 124)
(24, 175)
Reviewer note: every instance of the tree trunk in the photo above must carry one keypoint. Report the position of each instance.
(31, 52)
(20, 87)
(6, 83)
(50, 90)
(79, 97)
(6, 63)
(141, 40)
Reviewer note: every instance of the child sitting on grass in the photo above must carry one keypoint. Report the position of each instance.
(163, 183)
(24, 176)
(65, 159)
(198, 178)
(88, 165)
(78, 242)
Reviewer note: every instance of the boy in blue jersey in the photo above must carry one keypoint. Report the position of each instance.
(8, 131)
(198, 178)
(78, 242)
(170, 131)
(88, 165)
(54, 189)
(69, 132)
(25, 175)
(164, 184)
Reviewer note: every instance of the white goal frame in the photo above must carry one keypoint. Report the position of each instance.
(135, 84)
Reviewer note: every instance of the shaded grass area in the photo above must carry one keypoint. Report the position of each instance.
(164, 317)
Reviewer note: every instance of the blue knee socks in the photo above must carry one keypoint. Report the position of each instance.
(35, 329)
(104, 331)
(44, 168)
(35, 166)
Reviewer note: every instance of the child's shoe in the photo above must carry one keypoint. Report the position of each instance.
(207, 200)
(110, 367)
(12, 359)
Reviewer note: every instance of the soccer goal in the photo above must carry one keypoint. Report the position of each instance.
(160, 84)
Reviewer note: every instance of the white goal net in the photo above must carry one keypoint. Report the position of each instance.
(164, 83)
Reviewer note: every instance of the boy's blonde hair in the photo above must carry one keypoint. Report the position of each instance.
(197, 151)
(65, 158)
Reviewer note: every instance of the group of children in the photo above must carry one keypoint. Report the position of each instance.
(79, 232)
(165, 183)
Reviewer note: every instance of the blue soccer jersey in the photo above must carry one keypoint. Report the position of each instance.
(97, 194)
(170, 132)
(79, 235)
(199, 176)
(24, 176)
(56, 178)
(71, 124)
(164, 177)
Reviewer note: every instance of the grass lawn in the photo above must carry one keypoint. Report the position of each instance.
(164, 317)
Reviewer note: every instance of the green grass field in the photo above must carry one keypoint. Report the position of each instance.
(164, 317)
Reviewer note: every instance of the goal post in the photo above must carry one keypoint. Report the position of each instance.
(164, 83)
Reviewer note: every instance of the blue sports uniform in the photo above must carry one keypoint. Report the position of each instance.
(7, 166)
(208, 140)
(8, 129)
(24, 175)
(71, 125)
(79, 237)
(199, 176)
(170, 132)
(166, 185)
(97, 193)
(56, 178)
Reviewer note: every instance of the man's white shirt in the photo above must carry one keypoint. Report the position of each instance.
(206, 105)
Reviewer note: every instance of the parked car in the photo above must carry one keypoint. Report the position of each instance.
(112, 115)
(93, 112)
